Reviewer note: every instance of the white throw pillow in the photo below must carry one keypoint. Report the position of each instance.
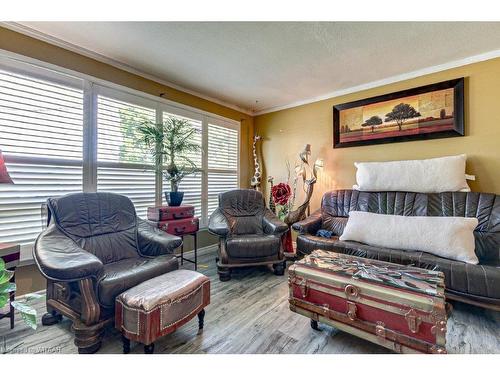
(447, 237)
(421, 176)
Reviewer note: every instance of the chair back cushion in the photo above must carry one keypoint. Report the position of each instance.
(103, 224)
(244, 210)
(483, 206)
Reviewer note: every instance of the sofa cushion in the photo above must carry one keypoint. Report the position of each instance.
(253, 246)
(127, 273)
(478, 280)
(484, 206)
(447, 237)
(307, 243)
(435, 175)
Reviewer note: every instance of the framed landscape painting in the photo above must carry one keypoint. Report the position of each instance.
(433, 111)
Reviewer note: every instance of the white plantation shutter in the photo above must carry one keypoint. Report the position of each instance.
(62, 134)
(124, 165)
(41, 136)
(219, 183)
(223, 149)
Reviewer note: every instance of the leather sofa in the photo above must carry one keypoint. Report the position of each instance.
(93, 249)
(249, 233)
(474, 284)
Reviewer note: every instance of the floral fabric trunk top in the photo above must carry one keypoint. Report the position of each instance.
(410, 278)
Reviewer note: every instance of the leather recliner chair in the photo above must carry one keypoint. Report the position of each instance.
(93, 249)
(249, 233)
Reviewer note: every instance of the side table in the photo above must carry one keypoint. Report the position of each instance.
(10, 253)
(195, 260)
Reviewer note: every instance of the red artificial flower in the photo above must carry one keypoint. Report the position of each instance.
(281, 193)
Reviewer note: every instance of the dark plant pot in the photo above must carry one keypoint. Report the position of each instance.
(174, 198)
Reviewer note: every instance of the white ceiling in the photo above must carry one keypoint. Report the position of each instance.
(275, 63)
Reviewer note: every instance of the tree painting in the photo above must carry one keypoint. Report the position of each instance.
(400, 113)
(373, 121)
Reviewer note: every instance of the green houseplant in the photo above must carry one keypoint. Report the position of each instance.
(28, 313)
(171, 143)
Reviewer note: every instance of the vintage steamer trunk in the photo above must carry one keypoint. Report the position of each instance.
(399, 307)
(163, 213)
(180, 227)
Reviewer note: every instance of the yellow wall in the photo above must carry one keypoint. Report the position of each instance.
(285, 132)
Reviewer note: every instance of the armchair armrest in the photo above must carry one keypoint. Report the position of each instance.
(310, 225)
(154, 242)
(59, 258)
(273, 225)
(217, 224)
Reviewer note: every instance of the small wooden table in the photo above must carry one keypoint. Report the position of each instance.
(10, 253)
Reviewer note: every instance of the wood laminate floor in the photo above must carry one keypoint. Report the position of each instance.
(250, 314)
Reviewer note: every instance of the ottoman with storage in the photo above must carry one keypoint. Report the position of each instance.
(160, 305)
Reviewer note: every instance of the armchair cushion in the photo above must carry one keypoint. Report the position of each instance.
(60, 258)
(253, 246)
(273, 225)
(153, 242)
(124, 274)
(240, 225)
(103, 224)
(243, 210)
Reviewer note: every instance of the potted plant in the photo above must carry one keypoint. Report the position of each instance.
(171, 143)
(28, 313)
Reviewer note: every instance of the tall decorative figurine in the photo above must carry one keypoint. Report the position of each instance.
(272, 206)
(256, 178)
(283, 196)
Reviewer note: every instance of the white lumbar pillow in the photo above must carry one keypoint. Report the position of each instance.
(421, 176)
(444, 236)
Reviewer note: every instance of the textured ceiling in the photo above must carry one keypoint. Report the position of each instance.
(276, 63)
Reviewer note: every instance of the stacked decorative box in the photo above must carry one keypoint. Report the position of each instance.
(179, 221)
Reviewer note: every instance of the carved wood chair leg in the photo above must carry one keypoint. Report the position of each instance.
(224, 273)
(91, 310)
(88, 339)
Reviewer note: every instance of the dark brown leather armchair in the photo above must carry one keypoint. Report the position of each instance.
(249, 233)
(94, 248)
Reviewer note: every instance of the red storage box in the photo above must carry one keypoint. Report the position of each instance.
(163, 213)
(180, 227)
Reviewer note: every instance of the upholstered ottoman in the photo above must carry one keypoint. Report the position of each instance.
(160, 305)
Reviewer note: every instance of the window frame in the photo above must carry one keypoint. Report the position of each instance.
(92, 87)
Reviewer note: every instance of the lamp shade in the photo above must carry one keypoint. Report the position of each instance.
(4, 175)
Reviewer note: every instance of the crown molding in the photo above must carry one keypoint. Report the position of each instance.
(22, 29)
(386, 81)
(15, 26)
